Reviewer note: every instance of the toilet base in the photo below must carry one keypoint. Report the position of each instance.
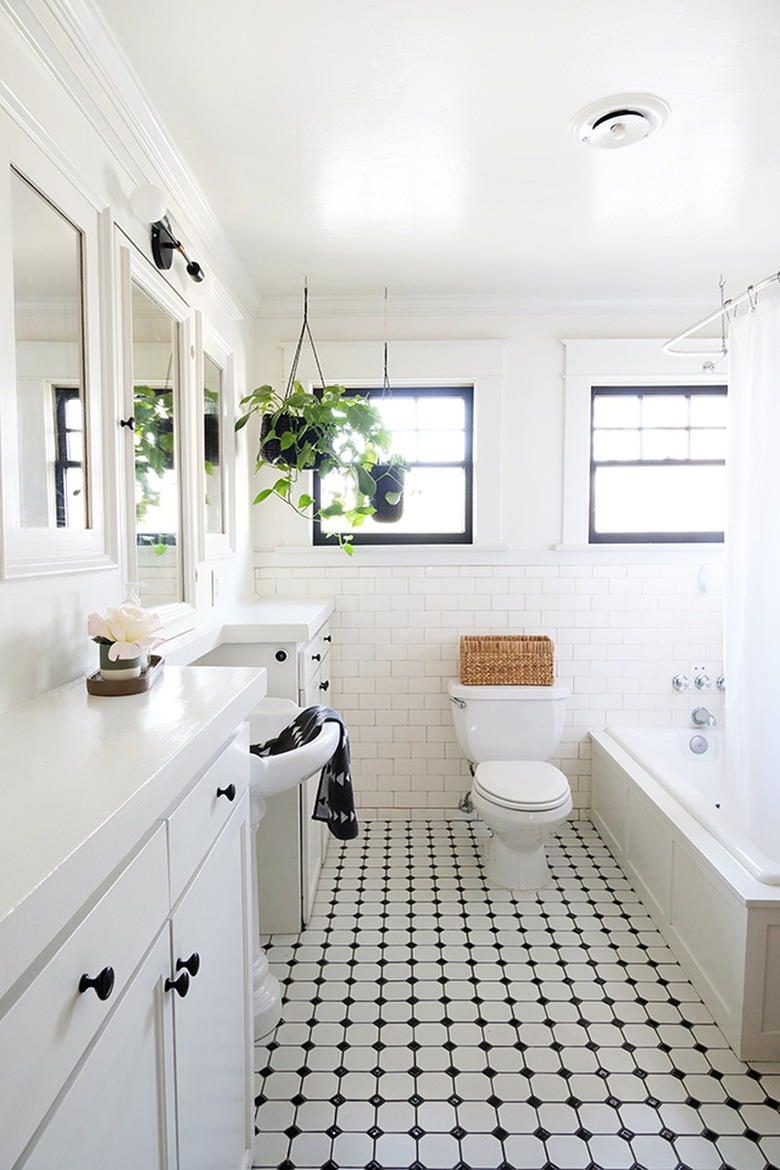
(517, 868)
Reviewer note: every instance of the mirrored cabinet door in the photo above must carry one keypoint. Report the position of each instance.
(48, 331)
(213, 446)
(157, 445)
(50, 408)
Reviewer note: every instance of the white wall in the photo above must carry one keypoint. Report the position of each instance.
(66, 97)
(623, 621)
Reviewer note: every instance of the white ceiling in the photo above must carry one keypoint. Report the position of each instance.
(426, 145)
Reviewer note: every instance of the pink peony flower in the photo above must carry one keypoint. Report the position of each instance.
(129, 630)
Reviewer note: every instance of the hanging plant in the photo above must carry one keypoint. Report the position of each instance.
(388, 497)
(327, 430)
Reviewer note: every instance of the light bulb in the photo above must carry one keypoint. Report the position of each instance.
(148, 203)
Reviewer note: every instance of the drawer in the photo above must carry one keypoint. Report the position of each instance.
(314, 656)
(44, 1034)
(195, 823)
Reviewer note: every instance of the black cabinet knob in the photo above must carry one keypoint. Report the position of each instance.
(327, 638)
(281, 655)
(102, 984)
(181, 985)
(324, 686)
(229, 792)
(316, 657)
(192, 964)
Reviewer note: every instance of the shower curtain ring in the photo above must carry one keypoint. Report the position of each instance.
(752, 298)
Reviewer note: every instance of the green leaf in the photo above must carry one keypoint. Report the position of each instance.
(365, 481)
(305, 501)
(263, 495)
(392, 498)
(241, 422)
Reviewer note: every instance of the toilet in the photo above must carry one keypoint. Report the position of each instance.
(508, 733)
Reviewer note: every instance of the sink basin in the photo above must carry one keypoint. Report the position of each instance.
(272, 774)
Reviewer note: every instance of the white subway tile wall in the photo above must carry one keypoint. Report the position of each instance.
(621, 632)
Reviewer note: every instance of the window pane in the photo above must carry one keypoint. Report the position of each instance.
(442, 447)
(664, 444)
(435, 412)
(212, 445)
(708, 410)
(75, 446)
(405, 444)
(74, 495)
(399, 413)
(616, 410)
(659, 499)
(434, 501)
(665, 410)
(608, 445)
(708, 444)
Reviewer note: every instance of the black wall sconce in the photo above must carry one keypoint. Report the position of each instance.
(148, 203)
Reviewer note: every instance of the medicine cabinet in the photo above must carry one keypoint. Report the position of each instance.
(50, 407)
(157, 426)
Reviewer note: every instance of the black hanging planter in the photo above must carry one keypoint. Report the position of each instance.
(389, 480)
(271, 448)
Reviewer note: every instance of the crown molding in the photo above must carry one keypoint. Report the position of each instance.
(73, 41)
(456, 305)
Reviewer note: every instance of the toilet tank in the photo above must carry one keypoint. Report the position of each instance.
(508, 723)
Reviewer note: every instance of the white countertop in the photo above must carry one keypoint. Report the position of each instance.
(82, 779)
(253, 621)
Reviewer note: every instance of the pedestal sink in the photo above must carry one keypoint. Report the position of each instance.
(268, 776)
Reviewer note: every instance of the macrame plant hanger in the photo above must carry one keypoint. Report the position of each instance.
(305, 332)
(387, 391)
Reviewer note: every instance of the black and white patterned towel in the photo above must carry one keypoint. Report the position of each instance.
(335, 802)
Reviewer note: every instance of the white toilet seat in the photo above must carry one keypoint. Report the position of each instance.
(525, 785)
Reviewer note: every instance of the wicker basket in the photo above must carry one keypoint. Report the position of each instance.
(511, 660)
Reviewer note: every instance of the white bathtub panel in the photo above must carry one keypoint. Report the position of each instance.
(710, 924)
(722, 924)
(761, 1015)
(610, 803)
(649, 850)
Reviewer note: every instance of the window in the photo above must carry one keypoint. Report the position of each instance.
(69, 494)
(432, 429)
(657, 466)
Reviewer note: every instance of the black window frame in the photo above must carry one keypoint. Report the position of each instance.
(642, 537)
(62, 463)
(389, 538)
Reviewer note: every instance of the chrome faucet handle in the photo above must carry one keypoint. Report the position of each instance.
(703, 682)
(720, 682)
(701, 717)
(681, 682)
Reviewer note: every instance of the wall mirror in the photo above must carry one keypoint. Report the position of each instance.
(213, 446)
(50, 409)
(48, 330)
(156, 414)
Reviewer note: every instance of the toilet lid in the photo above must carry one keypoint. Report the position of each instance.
(523, 784)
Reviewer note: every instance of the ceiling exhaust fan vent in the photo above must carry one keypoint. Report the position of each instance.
(620, 121)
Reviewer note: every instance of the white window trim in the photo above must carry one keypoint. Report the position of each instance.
(426, 363)
(615, 362)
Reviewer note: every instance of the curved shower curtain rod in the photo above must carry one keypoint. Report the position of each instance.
(749, 294)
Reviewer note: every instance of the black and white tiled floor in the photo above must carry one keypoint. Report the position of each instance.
(434, 1022)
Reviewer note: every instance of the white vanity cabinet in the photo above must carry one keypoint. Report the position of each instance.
(127, 1041)
(292, 642)
(291, 847)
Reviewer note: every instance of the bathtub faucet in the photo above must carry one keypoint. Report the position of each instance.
(701, 717)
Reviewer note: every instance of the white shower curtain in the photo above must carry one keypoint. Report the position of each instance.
(752, 601)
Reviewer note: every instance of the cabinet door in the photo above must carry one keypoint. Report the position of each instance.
(116, 1113)
(315, 835)
(213, 1020)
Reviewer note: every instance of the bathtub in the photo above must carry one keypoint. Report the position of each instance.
(656, 802)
